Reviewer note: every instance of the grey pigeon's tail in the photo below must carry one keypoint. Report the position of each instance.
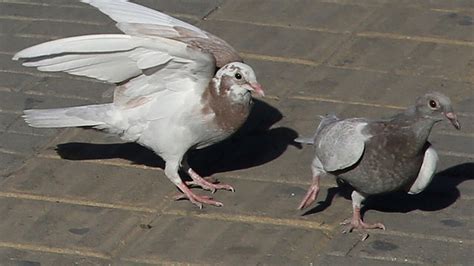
(90, 115)
(325, 120)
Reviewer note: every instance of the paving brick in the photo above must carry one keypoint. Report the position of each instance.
(68, 88)
(8, 163)
(408, 57)
(299, 44)
(416, 22)
(95, 182)
(433, 4)
(14, 81)
(295, 13)
(12, 44)
(277, 201)
(229, 243)
(7, 120)
(46, 224)
(187, 7)
(12, 101)
(21, 127)
(359, 86)
(412, 249)
(45, 12)
(368, 69)
(23, 144)
(435, 223)
(53, 28)
(341, 260)
(17, 257)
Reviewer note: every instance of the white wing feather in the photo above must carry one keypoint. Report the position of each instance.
(427, 170)
(150, 63)
(123, 11)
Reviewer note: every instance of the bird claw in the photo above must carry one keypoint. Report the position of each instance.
(209, 183)
(198, 200)
(352, 224)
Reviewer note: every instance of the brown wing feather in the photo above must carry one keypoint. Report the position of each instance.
(220, 49)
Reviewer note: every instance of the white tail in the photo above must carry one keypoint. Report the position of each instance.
(89, 115)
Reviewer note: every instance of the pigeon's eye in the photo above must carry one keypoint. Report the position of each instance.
(433, 104)
(238, 76)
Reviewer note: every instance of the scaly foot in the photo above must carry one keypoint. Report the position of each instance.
(196, 199)
(207, 183)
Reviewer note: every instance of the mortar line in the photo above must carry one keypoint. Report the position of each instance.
(253, 219)
(80, 202)
(55, 250)
(80, 22)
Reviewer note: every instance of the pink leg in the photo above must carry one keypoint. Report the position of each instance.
(205, 182)
(312, 193)
(196, 199)
(356, 221)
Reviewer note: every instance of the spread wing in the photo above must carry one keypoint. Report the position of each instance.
(137, 20)
(143, 65)
(340, 144)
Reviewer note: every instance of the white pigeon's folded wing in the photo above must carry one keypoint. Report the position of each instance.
(137, 20)
(341, 144)
(142, 65)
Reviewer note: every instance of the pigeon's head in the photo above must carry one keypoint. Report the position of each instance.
(437, 106)
(237, 81)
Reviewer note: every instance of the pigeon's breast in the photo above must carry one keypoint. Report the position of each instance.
(389, 163)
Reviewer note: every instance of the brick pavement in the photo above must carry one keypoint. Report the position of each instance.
(73, 196)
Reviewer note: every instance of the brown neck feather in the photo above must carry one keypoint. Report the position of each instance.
(229, 115)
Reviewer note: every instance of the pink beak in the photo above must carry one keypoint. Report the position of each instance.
(454, 119)
(257, 89)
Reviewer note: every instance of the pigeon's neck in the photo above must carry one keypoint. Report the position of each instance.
(420, 125)
(228, 115)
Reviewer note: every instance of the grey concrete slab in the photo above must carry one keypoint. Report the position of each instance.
(19, 126)
(431, 23)
(33, 12)
(41, 223)
(6, 120)
(272, 200)
(18, 257)
(407, 57)
(22, 143)
(8, 163)
(107, 202)
(92, 181)
(298, 43)
(227, 243)
(13, 101)
(415, 250)
(320, 15)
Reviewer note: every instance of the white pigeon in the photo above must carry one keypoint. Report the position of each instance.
(178, 87)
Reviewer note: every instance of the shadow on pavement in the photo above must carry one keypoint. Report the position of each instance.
(254, 144)
(441, 193)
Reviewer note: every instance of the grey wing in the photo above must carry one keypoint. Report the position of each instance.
(325, 120)
(341, 144)
(137, 20)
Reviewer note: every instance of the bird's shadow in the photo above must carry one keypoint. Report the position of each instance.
(256, 143)
(440, 193)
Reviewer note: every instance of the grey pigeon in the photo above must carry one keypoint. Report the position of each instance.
(178, 87)
(378, 156)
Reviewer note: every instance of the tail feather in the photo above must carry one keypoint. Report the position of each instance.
(90, 115)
